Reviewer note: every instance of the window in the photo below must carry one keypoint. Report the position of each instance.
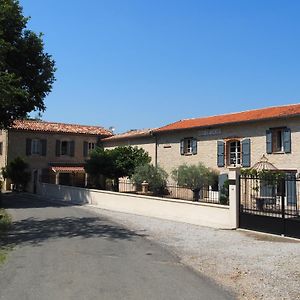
(91, 146)
(188, 146)
(234, 153)
(278, 140)
(277, 143)
(35, 146)
(65, 148)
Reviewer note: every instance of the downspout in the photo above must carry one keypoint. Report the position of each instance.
(156, 146)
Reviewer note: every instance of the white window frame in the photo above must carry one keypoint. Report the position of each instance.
(235, 156)
(188, 146)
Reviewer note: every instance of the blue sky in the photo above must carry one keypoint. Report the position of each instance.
(142, 64)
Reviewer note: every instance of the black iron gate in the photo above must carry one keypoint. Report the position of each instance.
(270, 203)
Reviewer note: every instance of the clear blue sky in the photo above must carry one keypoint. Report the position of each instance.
(141, 63)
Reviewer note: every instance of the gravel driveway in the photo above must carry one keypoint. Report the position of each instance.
(255, 266)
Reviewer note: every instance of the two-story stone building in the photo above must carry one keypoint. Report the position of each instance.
(54, 151)
(219, 142)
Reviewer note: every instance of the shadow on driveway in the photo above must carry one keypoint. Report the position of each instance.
(36, 229)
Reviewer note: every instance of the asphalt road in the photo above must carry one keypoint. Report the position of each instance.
(65, 252)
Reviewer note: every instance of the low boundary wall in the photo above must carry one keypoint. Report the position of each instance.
(204, 214)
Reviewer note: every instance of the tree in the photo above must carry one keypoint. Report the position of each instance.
(194, 177)
(99, 163)
(26, 71)
(17, 171)
(116, 163)
(156, 177)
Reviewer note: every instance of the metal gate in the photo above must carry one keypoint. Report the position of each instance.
(270, 203)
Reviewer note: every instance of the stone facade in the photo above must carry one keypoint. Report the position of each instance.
(147, 143)
(164, 147)
(168, 145)
(41, 163)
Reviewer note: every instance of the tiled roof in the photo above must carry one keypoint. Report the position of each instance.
(245, 116)
(135, 133)
(42, 126)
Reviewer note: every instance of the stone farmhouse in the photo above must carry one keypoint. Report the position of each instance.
(54, 151)
(58, 151)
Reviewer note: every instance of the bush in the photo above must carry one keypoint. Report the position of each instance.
(17, 171)
(194, 177)
(156, 177)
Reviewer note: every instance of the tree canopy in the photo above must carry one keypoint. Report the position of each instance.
(17, 171)
(115, 163)
(26, 70)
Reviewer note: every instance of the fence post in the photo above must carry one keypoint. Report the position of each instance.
(234, 195)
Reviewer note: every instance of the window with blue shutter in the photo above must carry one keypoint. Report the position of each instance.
(246, 154)
(220, 154)
(194, 146)
(287, 140)
(278, 140)
(269, 147)
(188, 146)
(182, 147)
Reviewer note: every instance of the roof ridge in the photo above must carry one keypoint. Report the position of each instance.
(61, 123)
(238, 112)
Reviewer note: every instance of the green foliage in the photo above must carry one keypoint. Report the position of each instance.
(224, 193)
(17, 171)
(156, 177)
(115, 163)
(5, 221)
(26, 71)
(194, 177)
(126, 159)
(99, 163)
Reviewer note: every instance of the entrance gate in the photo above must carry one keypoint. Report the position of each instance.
(270, 203)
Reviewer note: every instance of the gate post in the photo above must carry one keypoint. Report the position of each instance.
(234, 195)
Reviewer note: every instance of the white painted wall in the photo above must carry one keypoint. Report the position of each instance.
(211, 215)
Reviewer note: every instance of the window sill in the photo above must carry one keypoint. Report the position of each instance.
(279, 152)
(188, 154)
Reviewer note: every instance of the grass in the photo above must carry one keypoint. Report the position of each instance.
(5, 223)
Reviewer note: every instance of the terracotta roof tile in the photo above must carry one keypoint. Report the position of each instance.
(245, 116)
(42, 126)
(135, 133)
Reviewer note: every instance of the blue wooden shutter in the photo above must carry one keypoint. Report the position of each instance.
(287, 140)
(28, 147)
(85, 149)
(269, 141)
(57, 148)
(221, 154)
(246, 154)
(290, 187)
(182, 147)
(194, 146)
(72, 148)
(44, 147)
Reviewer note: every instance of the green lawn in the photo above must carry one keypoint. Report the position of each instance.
(5, 222)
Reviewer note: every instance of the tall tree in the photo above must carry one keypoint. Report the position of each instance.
(26, 70)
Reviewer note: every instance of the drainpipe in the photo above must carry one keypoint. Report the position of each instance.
(156, 146)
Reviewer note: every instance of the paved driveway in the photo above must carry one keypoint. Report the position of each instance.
(64, 252)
